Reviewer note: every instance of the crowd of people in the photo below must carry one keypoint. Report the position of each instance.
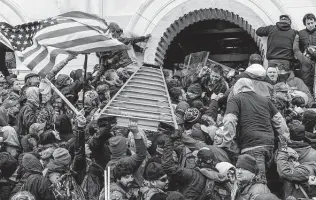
(247, 136)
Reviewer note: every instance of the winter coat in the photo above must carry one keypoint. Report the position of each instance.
(297, 84)
(192, 181)
(93, 181)
(32, 180)
(39, 186)
(100, 151)
(192, 144)
(149, 193)
(311, 139)
(295, 176)
(308, 66)
(26, 118)
(6, 187)
(117, 192)
(305, 151)
(251, 191)
(307, 38)
(280, 40)
(135, 160)
(261, 85)
(4, 117)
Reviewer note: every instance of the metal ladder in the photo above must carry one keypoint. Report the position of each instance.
(143, 99)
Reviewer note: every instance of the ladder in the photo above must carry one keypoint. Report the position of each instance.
(143, 99)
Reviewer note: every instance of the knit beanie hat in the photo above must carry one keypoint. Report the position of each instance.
(62, 156)
(192, 115)
(30, 162)
(297, 131)
(175, 196)
(197, 104)
(154, 171)
(309, 120)
(182, 107)
(8, 164)
(118, 145)
(257, 70)
(195, 89)
(206, 155)
(36, 127)
(268, 196)
(197, 132)
(247, 162)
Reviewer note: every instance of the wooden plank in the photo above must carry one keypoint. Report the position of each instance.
(215, 31)
(229, 57)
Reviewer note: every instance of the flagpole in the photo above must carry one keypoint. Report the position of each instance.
(62, 96)
(85, 76)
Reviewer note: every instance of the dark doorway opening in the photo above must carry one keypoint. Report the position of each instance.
(227, 43)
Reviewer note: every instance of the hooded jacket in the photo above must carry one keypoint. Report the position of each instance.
(305, 151)
(297, 84)
(260, 84)
(308, 66)
(307, 38)
(27, 115)
(295, 176)
(252, 190)
(192, 181)
(32, 179)
(280, 40)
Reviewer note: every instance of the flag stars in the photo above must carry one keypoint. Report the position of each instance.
(13, 36)
(20, 36)
(18, 42)
(33, 28)
(2, 26)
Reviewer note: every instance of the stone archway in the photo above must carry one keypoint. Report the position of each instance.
(198, 16)
(156, 16)
(10, 6)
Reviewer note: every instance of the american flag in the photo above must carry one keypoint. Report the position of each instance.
(41, 45)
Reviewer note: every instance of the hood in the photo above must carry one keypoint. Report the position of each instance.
(10, 137)
(251, 76)
(243, 85)
(31, 163)
(283, 26)
(257, 70)
(291, 76)
(61, 80)
(32, 95)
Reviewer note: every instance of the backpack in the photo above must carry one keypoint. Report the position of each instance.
(93, 182)
(66, 188)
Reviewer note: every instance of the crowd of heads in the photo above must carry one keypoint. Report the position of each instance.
(48, 152)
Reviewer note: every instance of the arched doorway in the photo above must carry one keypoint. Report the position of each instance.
(156, 16)
(229, 38)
